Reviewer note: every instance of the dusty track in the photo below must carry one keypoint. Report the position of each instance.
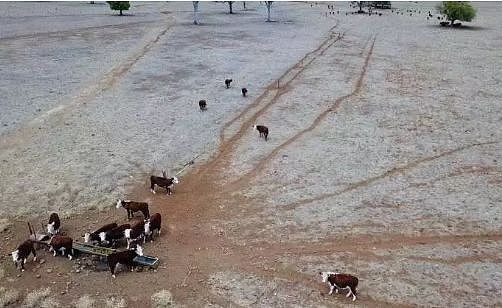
(57, 115)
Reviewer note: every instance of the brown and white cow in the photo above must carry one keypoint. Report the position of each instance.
(167, 183)
(123, 257)
(94, 236)
(154, 223)
(340, 281)
(263, 130)
(133, 207)
(54, 224)
(20, 255)
(62, 243)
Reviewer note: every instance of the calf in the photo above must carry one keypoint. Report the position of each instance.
(114, 235)
(263, 130)
(227, 82)
(54, 224)
(63, 243)
(94, 236)
(244, 91)
(202, 104)
(133, 207)
(123, 257)
(168, 183)
(154, 223)
(133, 235)
(340, 281)
(20, 255)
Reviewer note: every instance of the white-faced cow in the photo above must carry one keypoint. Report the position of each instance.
(135, 233)
(63, 244)
(123, 257)
(54, 224)
(20, 255)
(244, 91)
(167, 183)
(227, 82)
(340, 281)
(133, 207)
(114, 235)
(94, 236)
(154, 223)
(263, 130)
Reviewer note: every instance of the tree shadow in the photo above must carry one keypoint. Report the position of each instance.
(461, 28)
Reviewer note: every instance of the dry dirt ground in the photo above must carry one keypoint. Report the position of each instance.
(384, 156)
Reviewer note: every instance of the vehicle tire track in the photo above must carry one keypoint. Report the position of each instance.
(264, 161)
(273, 85)
(389, 173)
(101, 85)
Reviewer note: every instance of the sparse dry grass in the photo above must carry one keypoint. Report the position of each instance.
(40, 299)
(8, 297)
(116, 302)
(161, 299)
(85, 301)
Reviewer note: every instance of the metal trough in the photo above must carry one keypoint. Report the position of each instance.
(92, 249)
(146, 261)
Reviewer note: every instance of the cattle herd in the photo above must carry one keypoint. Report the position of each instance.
(140, 228)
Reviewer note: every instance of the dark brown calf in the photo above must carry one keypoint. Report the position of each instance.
(64, 243)
(133, 207)
(123, 257)
(340, 281)
(263, 130)
(20, 255)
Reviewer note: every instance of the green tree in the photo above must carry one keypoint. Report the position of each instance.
(119, 5)
(462, 11)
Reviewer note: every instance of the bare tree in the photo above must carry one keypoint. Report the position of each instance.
(230, 3)
(195, 12)
(269, 6)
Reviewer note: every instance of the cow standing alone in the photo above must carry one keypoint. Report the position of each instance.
(54, 224)
(263, 130)
(133, 207)
(340, 281)
(167, 183)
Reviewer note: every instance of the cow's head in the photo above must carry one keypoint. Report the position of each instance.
(175, 180)
(15, 256)
(87, 238)
(119, 203)
(254, 127)
(139, 250)
(102, 236)
(50, 228)
(325, 275)
(127, 233)
(147, 227)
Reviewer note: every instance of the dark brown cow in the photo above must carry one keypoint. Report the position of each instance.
(202, 105)
(263, 130)
(133, 207)
(94, 236)
(244, 91)
(20, 255)
(227, 82)
(340, 281)
(64, 243)
(154, 223)
(54, 224)
(167, 183)
(123, 257)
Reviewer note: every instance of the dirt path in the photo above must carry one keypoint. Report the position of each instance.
(57, 115)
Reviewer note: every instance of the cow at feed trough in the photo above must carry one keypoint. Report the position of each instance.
(94, 236)
(167, 183)
(20, 255)
(135, 233)
(263, 130)
(123, 257)
(54, 224)
(340, 281)
(154, 223)
(114, 235)
(244, 91)
(133, 207)
(202, 105)
(227, 82)
(63, 244)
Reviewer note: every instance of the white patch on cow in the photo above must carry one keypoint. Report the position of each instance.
(87, 238)
(139, 250)
(119, 204)
(175, 180)
(35, 258)
(15, 255)
(325, 275)
(153, 191)
(127, 233)
(50, 228)
(254, 127)
(69, 256)
(147, 228)
(102, 236)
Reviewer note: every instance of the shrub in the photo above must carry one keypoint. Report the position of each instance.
(119, 5)
(462, 11)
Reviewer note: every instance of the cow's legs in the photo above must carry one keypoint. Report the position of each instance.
(331, 288)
